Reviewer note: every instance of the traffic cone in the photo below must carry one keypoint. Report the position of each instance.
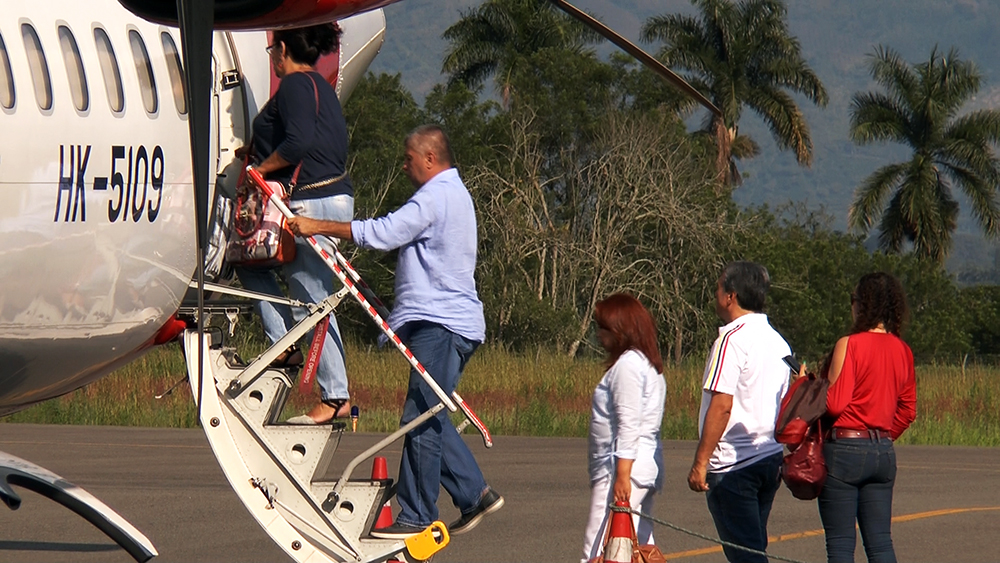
(618, 549)
(381, 471)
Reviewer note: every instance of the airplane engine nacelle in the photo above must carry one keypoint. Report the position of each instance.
(246, 15)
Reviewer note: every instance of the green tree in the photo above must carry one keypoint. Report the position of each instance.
(472, 126)
(496, 39)
(919, 109)
(814, 269)
(379, 115)
(742, 55)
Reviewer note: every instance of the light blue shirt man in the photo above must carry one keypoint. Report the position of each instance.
(435, 232)
(437, 257)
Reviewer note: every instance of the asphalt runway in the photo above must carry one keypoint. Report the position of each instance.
(167, 483)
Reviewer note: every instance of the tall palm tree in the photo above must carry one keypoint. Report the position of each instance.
(496, 38)
(742, 55)
(919, 108)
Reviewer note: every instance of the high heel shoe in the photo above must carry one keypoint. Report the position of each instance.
(341, 409)
(292, 357)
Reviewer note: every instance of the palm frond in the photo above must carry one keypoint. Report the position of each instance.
(785, 120)
(890, 71)
(892, 229)
(869, 198)
(877, 117)
(982, 198)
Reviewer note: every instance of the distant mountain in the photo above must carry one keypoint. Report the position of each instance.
(836, 37)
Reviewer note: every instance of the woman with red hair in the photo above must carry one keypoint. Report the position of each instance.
(626, 459)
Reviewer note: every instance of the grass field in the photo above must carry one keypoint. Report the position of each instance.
(540, 394)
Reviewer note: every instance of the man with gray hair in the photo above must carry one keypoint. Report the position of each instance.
(738, 461)
(438, 315)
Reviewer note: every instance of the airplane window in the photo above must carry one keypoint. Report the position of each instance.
(144, 70)
(109, 68)
(176, 72)
(6, 78)
(39, 68)
(74, 69)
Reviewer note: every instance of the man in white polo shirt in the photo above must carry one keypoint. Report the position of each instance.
(738, 461)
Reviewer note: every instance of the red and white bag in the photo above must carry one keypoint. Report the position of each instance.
(260, 236)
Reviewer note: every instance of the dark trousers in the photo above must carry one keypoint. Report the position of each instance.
(740, 502)
(860, 476)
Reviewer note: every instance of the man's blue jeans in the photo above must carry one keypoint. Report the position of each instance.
(740, 503)
(434, 454)
(310, 280)
(860, 476)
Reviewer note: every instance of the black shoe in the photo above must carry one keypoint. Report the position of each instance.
(490, 503)
(396, 531)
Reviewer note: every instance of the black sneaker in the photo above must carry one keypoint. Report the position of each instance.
(396, 531)
(490, 503)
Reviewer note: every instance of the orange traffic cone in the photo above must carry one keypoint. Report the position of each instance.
(381, 471)
(618, 548)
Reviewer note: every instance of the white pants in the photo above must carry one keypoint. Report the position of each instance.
(601, 495)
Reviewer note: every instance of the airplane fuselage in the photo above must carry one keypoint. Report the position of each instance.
(96, 207)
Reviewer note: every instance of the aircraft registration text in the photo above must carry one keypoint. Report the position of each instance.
(134, 187)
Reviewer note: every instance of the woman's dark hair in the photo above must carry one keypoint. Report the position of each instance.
(306, 44)
(631, 326)
(880, 299)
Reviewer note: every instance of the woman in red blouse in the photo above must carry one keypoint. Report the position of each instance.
(871, 401)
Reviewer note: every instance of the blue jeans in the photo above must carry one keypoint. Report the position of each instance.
(309, 280)
(740, 503)
(434, 455)
(860, 476)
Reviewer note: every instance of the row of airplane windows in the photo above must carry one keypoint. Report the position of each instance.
(79, 89)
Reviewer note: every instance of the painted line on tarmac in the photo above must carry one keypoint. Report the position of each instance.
(820, 532)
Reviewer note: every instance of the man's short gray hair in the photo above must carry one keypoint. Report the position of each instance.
(431, 138)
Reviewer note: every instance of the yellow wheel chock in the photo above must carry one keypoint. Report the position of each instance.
(424, 545)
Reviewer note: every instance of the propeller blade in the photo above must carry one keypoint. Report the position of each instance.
(642, 56)
(196, 18)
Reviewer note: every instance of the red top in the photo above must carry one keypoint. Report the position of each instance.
(877, 387)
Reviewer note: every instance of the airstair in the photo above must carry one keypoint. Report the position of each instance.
(279, 470)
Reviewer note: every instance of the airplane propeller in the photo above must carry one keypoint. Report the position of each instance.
(642, 56)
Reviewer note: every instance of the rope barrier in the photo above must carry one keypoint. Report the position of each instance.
(702, 536)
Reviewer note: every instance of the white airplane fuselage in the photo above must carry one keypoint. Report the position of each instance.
(97, 211)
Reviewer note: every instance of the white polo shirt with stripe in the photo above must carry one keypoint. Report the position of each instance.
(746, 362)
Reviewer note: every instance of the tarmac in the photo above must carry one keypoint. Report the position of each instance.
(167, 483)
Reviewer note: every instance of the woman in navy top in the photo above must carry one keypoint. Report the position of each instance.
(301, 134)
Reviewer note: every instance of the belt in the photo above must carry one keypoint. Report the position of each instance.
(319, 184)
(869, 434)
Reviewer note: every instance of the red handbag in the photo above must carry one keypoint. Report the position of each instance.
(804, 468)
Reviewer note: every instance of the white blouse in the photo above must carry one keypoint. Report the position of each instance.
(625, 419)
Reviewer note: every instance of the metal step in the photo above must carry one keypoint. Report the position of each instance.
(278, 469)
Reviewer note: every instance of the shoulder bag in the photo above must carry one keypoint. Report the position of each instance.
(803, 469)
(262, 238)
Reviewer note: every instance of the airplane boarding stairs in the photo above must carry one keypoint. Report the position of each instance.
(277, 470)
